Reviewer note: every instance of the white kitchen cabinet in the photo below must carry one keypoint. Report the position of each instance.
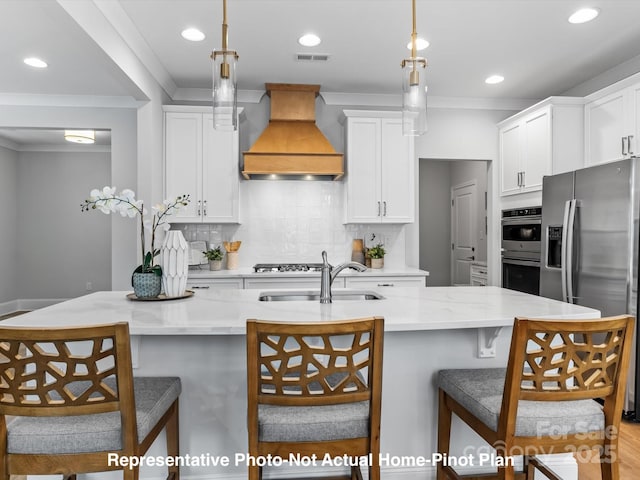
(214, 283)
(276, 283)
(479, 274)
(202, 162)
(612, 126)
(380, 176)
(385, 281)
(544, 139)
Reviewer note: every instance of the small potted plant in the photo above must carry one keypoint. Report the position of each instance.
(376, 253)
(214, 255)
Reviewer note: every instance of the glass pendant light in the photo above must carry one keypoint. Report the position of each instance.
(414, 89)
(225, 91)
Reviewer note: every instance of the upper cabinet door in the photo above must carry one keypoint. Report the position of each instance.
(606, 128)
(536, 156)
(183, 162)
(363, 202)
(510, 159)
(220, 174)
(397, 174)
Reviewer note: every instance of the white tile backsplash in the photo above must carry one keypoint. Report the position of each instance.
(293, 221)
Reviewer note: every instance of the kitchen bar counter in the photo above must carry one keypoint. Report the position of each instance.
(224, 312)
(201, 339)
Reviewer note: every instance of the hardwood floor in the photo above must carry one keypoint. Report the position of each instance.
(629, 446)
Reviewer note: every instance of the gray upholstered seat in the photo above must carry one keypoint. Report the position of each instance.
(480, 392)
(313, 424)
(95, 432)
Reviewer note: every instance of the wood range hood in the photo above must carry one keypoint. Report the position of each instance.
(292, 146)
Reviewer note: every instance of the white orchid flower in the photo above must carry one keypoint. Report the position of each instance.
(159, 208)
(165, 226)
(109, 191)
(94, 194)
(128, 194)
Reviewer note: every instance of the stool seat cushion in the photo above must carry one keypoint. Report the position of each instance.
(313, 424)
(95, 432)
(480, 392)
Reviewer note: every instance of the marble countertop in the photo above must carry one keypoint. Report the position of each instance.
(247, 272)
(224, 312)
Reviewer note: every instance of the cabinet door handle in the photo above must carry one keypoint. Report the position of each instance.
(205, 208)
(524, 182)
(629, 145)
(519, 179)
(199, 287)
(386, 285)
(384, 212)
(199, 207)
(623, 145)
(379, 208)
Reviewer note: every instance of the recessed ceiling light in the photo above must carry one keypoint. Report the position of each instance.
(192, 34)
(80, 136)
(421, 44)
(309, 40)
(493, 79)
(584, 15)
(35, 62)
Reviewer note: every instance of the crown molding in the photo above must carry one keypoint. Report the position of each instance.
(6, 143)
(39, 100)
(204, 95)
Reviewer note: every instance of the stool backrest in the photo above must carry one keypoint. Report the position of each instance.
(314, 363)
(62, 371)
(568, 360)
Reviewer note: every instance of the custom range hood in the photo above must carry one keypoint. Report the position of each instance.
(292, 146)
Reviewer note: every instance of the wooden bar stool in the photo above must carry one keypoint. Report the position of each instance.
(543, 402)
(76, 404)
(315, 388)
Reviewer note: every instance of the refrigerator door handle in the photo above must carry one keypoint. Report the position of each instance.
(569, 252)
(563, 251)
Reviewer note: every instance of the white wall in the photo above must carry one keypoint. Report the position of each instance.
(465, 134)
(435, 220)
(60, 248)
(123, 125)
(8, 223)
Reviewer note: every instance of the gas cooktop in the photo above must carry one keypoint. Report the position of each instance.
(287, 267)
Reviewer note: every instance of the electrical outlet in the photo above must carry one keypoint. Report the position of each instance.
(89, 286)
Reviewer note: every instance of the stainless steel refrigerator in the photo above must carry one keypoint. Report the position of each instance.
(590, 239)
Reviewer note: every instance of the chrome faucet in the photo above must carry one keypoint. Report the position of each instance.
(329, 273)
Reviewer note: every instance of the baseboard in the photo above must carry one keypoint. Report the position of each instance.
(28, 304)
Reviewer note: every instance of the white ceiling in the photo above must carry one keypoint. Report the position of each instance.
(530, 42)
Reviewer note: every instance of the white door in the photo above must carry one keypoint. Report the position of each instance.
(397, 174)
(536, 158)
(463, 232)
(510, 159)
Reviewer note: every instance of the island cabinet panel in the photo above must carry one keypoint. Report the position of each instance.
(385, 281)
(202, 162)
(311, 283)
(542, 140)
(380, 179)
(612, 126)
(214, 283)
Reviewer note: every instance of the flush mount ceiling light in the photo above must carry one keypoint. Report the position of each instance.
(414, 88)
(421, 44)
(35, 62)
(80, 136)
(309, 40)
(192, 34)
(584, 15)
(493, 79)
(225, 88)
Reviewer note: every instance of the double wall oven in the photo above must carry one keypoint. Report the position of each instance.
(521, 242)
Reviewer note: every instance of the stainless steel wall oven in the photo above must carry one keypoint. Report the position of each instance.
(521, 245)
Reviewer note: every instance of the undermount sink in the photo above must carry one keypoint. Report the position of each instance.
(314, 295)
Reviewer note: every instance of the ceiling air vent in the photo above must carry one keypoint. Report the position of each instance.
(312, 57)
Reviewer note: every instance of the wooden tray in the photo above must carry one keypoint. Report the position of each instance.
(161, 297)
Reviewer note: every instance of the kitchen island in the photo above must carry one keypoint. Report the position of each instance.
(201, 339)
